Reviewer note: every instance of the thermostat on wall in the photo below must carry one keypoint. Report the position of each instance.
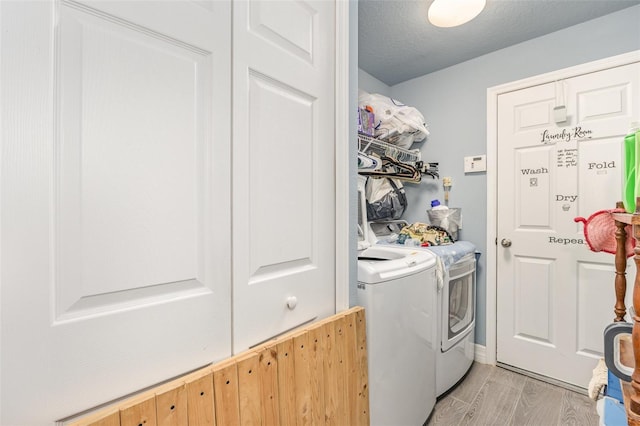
(476, 163)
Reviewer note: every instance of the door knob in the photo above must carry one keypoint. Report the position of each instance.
(505, 242)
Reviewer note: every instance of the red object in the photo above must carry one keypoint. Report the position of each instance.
(600, 232)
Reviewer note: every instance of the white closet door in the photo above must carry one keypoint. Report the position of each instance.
(283, 166)
(115, 264)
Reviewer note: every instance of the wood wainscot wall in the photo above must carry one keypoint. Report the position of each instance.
(315, 375)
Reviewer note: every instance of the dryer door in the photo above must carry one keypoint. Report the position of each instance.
(458, 313)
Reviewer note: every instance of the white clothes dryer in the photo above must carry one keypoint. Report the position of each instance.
(456, 313)
(397, 288)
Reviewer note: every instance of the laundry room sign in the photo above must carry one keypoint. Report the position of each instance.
(566, 135)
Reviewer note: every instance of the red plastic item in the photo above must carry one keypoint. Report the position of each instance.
(600, 232)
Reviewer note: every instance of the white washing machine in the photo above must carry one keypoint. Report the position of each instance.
(397, 288)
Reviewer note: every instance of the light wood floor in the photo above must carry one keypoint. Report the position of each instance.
(495, 396)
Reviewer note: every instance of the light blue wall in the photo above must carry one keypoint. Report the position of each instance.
(453, 102)
(370, 84)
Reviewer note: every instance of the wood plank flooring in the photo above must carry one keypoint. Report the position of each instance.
(494, 396)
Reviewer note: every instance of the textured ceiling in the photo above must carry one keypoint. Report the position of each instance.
(396, 43)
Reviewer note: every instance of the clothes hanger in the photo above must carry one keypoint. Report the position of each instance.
(392, 168)
(368, 161)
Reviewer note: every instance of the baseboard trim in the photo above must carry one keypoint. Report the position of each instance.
(480, 354)
(546, 379)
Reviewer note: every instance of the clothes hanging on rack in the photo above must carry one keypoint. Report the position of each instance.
(392, 168)
(395, 162)
(368, 162)
(386, 199)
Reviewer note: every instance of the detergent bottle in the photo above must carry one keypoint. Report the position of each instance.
(631, 187)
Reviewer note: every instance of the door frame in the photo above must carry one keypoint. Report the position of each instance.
(342, 144)
(492, 175)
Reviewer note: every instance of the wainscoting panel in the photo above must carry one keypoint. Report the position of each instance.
(314, 375)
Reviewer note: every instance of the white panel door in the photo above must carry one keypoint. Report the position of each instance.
(283, 166)
(554, 295)
(115, 262)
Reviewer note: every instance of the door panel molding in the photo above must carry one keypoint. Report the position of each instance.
(288, 25)
(99, 264)
(532, 284)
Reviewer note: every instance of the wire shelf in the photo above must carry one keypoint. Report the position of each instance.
(369, 144)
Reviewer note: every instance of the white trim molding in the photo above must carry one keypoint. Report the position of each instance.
(480, 354)
(492, 181)
(342, 144)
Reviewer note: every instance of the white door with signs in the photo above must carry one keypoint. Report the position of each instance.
(283, 167)
(554, 296)
(115, 264)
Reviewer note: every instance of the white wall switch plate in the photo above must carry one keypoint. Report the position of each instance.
(476, 163)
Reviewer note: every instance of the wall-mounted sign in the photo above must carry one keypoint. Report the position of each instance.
(566, 135)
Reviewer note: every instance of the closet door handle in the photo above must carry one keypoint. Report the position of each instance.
(292, 301)
(505, 242)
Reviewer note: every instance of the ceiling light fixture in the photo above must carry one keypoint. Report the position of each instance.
(451, 13)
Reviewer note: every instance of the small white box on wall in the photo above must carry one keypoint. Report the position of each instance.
(475, 163)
